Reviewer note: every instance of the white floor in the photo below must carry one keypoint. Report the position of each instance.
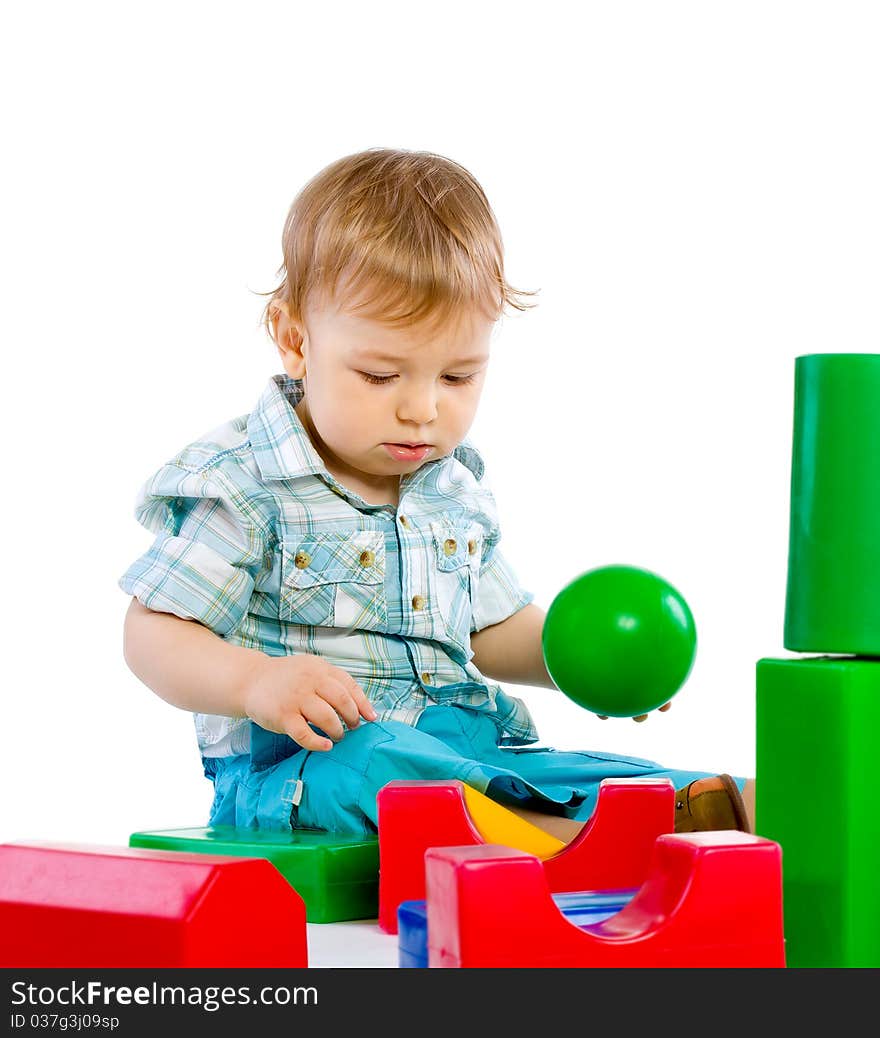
(357, 943)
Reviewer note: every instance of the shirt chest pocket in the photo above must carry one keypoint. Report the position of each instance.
(457, 549)
(334, 579)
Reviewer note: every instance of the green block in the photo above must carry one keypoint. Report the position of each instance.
(336, 876)
(818, 743)
(832, 599)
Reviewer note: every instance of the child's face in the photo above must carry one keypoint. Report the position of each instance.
(381, 401)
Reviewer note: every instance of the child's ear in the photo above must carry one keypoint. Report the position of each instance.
(289, 340)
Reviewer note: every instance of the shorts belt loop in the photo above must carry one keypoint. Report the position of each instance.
(293, 788)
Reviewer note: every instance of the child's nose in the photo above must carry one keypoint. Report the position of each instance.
(417, 404)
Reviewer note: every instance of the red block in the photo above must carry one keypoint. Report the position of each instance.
(711, 899)
(613, 849)
(77, 906)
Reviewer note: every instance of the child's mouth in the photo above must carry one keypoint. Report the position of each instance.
(408, 452)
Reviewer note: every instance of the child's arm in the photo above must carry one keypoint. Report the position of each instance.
(190, 667)
(512, 650)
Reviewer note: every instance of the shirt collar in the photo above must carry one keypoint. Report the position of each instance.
(282, 448)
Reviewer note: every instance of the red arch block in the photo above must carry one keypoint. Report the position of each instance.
(79, 906)
(711, 899)
(611, 851)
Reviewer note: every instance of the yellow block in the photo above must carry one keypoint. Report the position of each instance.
(498, 824)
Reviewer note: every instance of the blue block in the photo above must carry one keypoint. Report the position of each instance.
(581, 907)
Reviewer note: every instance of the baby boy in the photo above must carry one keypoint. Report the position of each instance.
(325, 592)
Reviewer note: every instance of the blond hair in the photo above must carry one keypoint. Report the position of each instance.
(411, 232)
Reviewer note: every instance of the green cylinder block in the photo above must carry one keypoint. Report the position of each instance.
(833, 591)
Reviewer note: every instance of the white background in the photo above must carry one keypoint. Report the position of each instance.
(693, 187)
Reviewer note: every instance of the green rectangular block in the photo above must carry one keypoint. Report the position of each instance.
(818, 745)
(336, 876)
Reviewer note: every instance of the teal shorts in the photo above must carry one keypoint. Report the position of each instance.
(279, 785)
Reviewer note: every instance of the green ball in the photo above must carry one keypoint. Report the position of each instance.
(619, 641)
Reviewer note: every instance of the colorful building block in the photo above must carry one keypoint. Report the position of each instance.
(580, 908)
(337, 876)
(832, 598)
(818, 718)
(711, 899)
(507, 827)
(818, 741)
(79, 906)
(611, 851)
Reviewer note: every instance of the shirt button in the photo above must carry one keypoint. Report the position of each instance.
(367, 558)
(404, 521)
(301, 559)
(449, 546)
(426, 677)
(472, 547)
(418, 602)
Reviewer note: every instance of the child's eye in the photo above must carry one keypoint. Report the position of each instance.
(376, 380)
(381, 380)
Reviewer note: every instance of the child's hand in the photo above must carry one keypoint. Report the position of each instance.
(287, 693)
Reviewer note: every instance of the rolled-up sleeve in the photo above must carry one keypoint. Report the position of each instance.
(499, 593)
(209, 549)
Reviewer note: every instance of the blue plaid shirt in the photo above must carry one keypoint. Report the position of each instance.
(256, 540)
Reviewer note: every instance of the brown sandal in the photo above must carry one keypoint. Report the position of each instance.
(716, 804)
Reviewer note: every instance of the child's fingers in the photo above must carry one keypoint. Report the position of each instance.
(299, 730)
(323, 713)
(347, 699)
(365, 707)
(354, 703)
(338, 701)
